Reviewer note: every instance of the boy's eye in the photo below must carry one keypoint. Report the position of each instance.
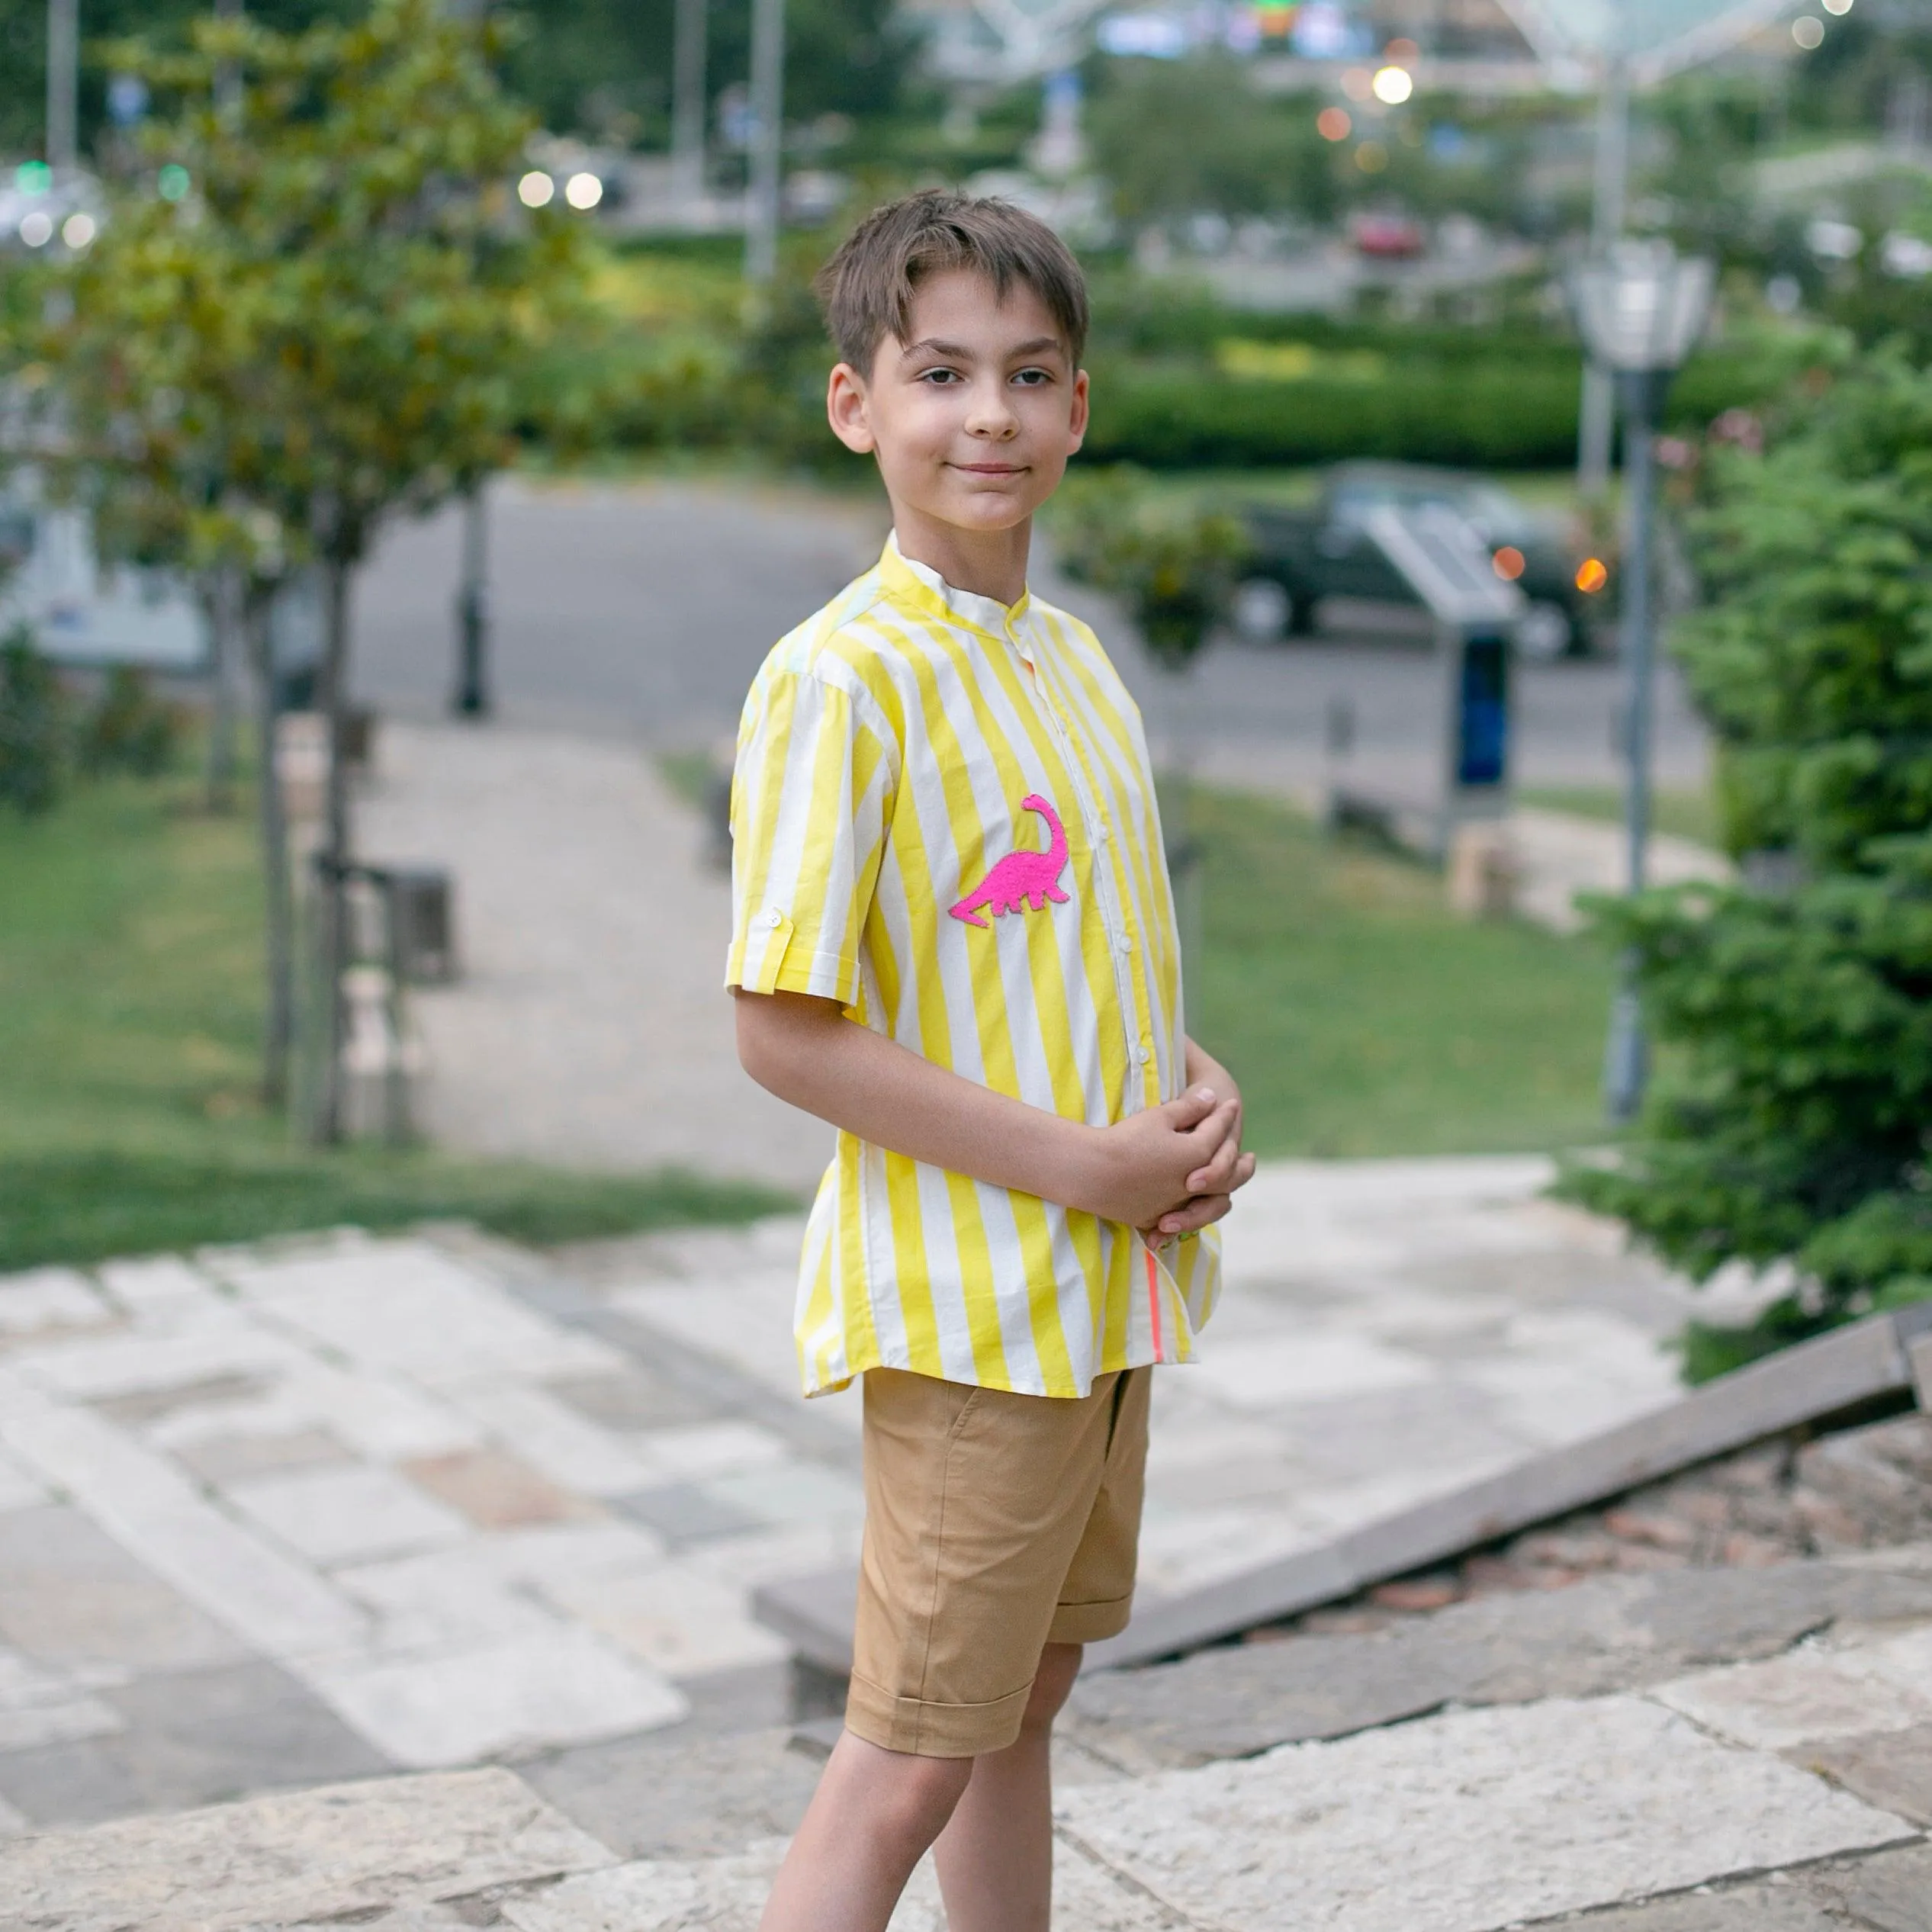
(940, 378)
(1033, 378)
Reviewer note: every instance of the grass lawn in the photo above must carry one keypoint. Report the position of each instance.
(1362, 1017)
(130, 1014)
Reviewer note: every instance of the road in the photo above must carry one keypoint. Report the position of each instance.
(642, 610)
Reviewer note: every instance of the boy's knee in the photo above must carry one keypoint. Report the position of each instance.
(917, 1796)
(1052, 1683)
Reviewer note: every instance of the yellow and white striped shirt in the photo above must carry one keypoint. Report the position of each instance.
(944, 817)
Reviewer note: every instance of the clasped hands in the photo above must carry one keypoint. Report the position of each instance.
(1172, 1169)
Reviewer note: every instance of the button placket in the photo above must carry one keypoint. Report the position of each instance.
(1113, 917)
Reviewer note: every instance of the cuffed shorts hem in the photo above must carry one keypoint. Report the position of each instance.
(1089, 1623)
(927, 1729)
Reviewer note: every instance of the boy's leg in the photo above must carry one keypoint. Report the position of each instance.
(995, 1856)
(870, 1821)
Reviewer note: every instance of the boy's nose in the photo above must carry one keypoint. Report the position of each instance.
(990, 417)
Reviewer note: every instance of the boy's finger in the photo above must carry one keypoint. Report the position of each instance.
(1214, 1127)
(1199, 1213)
(1215, 1176)
(1189, 1109)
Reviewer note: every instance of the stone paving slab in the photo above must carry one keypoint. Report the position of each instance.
(1609, 1633)
(728, 1895)
(1793, 1700)
(453, 1500)
(350, 1473)
(1890, 1893)
(189, 1739)
(339, 1849)
(1501, 1816)
(1890, 1768)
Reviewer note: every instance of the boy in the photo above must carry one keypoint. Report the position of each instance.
(953, 939)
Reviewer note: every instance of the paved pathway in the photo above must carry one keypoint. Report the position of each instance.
(590, 1026)
(280, 1515)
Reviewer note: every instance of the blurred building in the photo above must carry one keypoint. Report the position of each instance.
(1459, 43)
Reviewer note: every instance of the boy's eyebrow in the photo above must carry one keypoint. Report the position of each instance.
(955, 352)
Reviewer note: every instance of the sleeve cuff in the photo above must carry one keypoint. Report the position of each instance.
(765, 960)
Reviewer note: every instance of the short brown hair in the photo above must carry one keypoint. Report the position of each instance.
(867, 287)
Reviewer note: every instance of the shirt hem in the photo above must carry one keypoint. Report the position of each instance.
(1072, 1392)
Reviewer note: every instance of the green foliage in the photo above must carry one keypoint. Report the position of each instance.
(33, 726)
(1799, 1022)
(128, 728)
(1493, 418)
(1171, 561)
(1176, 136)
(328, 328)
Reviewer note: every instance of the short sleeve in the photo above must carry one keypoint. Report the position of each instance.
(808, 804)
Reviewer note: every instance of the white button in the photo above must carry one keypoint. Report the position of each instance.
(774, 919)
(1124, 943)
(1103, 835)
(1140, 1056)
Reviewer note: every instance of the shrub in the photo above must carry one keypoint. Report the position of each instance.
(129, 729)
(1171, 564)
(1794, 1128)
(1490, 417)
(33, 726)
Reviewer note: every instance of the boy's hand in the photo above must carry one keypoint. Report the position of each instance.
(1147, 1161)
(1211, 1186)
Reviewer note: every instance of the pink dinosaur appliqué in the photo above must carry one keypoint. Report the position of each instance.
(1021, 879)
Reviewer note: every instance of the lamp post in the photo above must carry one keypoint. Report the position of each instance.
(63, 87)
(472, 697)
(1640, 309)
(766, 187)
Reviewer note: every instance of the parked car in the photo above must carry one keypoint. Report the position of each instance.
(1304, 556)
(1387, 237)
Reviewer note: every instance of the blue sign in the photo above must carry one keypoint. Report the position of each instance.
(1483, 711)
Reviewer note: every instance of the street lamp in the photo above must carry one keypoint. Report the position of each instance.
(1640, 310)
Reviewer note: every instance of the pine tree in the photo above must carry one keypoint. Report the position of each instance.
(1794, 1010)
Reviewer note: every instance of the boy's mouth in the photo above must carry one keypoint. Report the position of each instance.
(990, 469)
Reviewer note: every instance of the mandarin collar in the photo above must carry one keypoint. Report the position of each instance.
(925, 586)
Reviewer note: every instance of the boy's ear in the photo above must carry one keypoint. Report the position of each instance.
(848, 410)
(1078, 424)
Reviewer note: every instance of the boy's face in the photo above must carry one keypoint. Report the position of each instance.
(973, 418)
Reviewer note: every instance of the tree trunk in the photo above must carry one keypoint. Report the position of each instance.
(219, 600)
(278, 1029)
(332, 697)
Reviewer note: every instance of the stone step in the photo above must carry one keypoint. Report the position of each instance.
(1680, 1811)
(399, 1844)
(1609, 1635)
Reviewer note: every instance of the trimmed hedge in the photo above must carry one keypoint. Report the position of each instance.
(1494, 415)
(1488, 418)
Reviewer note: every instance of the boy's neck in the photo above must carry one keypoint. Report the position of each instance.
(983, 563)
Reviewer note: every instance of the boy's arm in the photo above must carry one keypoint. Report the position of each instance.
(1138, 1171)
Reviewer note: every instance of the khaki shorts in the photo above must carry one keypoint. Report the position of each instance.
(995, 1524)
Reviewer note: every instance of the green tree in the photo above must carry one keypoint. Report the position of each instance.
(1795, 1012)
(35, 727)
(1179, 137)
(325, 330)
